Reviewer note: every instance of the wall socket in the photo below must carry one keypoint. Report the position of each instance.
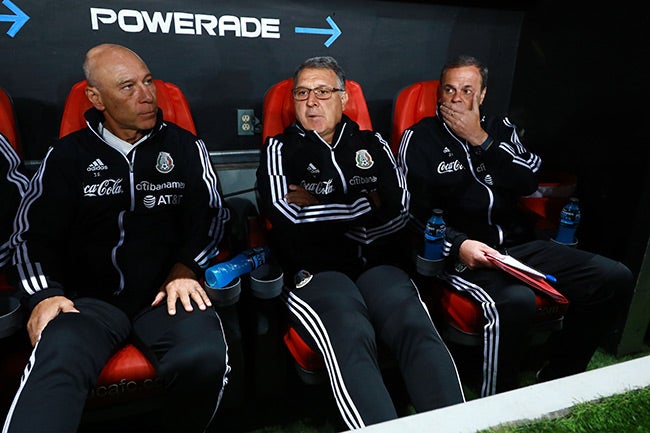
(245, 121)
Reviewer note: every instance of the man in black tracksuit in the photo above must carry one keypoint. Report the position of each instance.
(337, 202)
(113, 234)
(474, 168)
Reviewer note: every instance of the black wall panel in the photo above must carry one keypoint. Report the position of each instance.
(384, 45)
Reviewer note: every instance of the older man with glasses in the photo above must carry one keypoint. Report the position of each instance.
(338, 205)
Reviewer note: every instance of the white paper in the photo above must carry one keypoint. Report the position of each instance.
(511, 261)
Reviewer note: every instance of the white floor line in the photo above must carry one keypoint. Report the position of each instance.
(528, 403)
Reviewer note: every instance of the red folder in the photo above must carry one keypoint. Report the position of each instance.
(536, 282)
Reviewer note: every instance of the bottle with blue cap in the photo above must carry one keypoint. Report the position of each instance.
(434, 236)
(569, 220)
(221, 274)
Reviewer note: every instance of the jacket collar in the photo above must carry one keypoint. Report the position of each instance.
(346, 124)
(94, 117)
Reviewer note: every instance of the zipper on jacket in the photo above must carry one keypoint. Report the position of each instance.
(336, 164)
(470, 166)
(132, 180)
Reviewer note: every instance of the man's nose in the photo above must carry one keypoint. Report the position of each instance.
(312, 99)
(147, 92)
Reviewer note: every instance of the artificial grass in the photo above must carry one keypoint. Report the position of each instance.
(621, 413)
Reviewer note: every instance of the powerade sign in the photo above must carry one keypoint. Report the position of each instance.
(184, 23)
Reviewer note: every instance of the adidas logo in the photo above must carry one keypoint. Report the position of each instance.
(96, 165)
(312, 169)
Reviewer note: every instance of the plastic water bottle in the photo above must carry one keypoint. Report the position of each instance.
(219, 275)
(434, 236)
(569, 220)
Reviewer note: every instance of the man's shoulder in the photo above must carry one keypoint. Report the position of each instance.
(427, 129)
(75, 136)
(170, 129)
(426, 123)
(368, 135)
(290, 138)
(176, 127)
(72, 143)
(492, 123)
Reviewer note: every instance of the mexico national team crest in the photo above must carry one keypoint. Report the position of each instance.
(363, 159)
(164, 163)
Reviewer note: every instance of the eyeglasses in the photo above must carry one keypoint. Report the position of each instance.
(302, 93)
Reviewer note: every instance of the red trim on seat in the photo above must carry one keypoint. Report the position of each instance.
(413, 103)
(462, 312)
(304, 356)
(128, 363)
(8, 125)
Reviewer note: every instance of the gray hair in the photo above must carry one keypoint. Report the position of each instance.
(323, 62)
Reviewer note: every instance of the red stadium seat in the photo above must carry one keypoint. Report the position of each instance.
(278, 113)
(171, 100)
(461, 315)
(128, 365)
(128, 375)
(412, 104)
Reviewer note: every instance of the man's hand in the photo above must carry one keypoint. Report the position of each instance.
(465, 121)
(44, 312)
(300, 196)
(181, 284)
(373, 196)
(472, 253)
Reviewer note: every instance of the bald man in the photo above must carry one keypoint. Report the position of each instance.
(115, 230)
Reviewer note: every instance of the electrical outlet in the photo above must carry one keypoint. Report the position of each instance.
(245, 121)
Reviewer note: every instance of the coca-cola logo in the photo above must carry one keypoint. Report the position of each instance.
(104, 188)
(323, 187)
(450, 167)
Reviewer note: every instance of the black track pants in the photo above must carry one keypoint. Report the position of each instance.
(597, 288)
(188, 351)
(345, 321)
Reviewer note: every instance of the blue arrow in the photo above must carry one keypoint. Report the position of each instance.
(19, 18)
(334, 31)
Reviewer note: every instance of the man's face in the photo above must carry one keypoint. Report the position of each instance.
(461, 86)
(320, 115)
(126, 94)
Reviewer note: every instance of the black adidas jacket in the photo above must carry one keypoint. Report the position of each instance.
(477, 189)
(345, 231)
(96, 223)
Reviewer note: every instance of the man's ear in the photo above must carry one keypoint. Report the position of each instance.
(95, 97)
(344, 100)
(482, 97)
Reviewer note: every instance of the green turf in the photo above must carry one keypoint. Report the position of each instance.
(623, 413)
